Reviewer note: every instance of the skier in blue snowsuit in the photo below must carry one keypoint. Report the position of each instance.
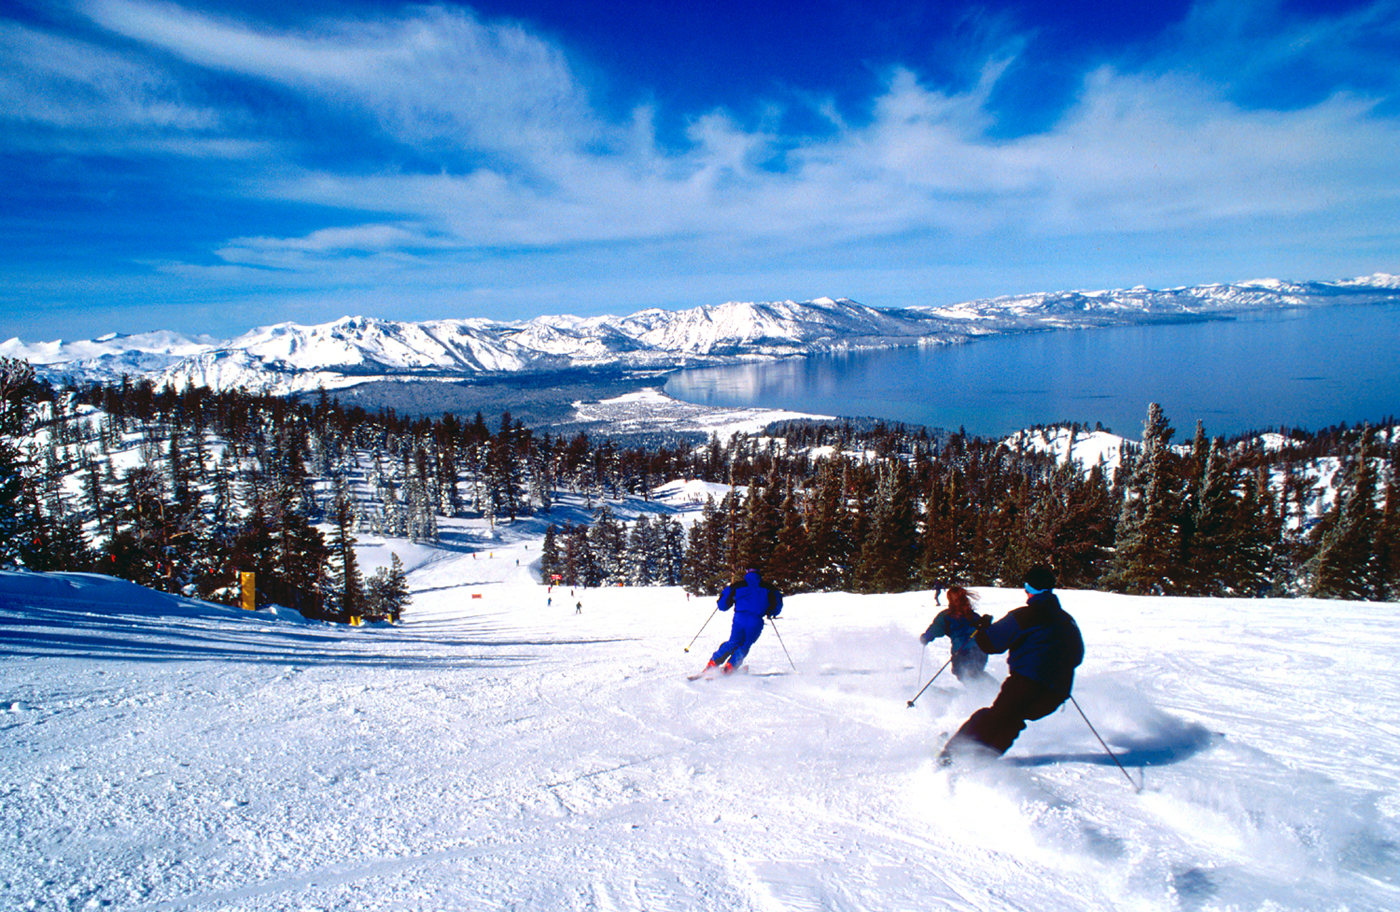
(752, 602)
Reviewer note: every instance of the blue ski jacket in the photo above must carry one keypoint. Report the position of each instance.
(752, 601)
(956, 627)
(1043, 641)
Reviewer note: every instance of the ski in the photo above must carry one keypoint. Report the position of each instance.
(716, 672)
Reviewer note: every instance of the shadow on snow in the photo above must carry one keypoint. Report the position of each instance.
(1178, 742)
(55, 632)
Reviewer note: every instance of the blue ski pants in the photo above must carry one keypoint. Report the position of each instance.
(741, 639)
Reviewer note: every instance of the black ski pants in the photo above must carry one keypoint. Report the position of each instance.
(996, 727)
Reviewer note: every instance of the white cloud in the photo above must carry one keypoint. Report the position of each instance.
(437, 75)
(1163, 150)
(63, 83)
(530, 166)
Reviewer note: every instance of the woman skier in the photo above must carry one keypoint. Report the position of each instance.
(958, 622)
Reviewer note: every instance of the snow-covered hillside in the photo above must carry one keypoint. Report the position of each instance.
(289, 357)
(514, 747)
(1075, 309)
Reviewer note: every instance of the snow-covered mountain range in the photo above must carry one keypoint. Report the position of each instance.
(288, 357)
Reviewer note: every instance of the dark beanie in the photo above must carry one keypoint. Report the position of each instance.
(1040, 577)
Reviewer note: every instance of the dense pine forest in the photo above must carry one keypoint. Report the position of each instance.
(180, 490)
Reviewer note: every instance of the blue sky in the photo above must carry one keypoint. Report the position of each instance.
(213, 166)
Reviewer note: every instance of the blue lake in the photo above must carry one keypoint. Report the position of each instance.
(1307, 368)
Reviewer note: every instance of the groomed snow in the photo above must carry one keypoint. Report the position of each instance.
(499, 751)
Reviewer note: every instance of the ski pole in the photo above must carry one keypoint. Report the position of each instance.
(923, 651)
(702, 629)
(774, 622)
(1136, 787)
(931, 680)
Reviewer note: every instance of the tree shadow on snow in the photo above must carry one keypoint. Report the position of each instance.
(57, 632)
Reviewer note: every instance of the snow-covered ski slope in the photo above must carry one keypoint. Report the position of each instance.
(500, 752)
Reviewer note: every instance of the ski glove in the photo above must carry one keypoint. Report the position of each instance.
(984, 622)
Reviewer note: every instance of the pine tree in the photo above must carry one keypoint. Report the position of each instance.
(787, 565)
(1013, 546)
(828, 529)
(570, 561)
(608, 544)
(386, 592)
(1345, 565)
(671, 564)
(51, 544)
(541, 477)
(1253, 562)
(503, 473)
(302, 556)
(287, 555)
(581, 566)
(704, 553)
(1213, 525)
(344, 567)
(1147, 551)
(1388, 533)
(16, 397)
(889, 553)
(549, 555)
(758, 531)
(137, 552)
(860, 507)
(641, 553)
(954, 541)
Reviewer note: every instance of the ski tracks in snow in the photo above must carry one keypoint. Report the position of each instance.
(502, 752)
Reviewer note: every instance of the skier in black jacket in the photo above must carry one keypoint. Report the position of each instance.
(1045, 648)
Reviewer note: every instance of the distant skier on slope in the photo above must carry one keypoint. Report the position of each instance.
(752, 602)
(958, 622)
(1045, 648)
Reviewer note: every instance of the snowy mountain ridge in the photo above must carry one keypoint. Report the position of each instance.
(289, 357)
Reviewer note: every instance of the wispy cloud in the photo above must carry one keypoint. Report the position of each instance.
(67, 84)
(436, 75)
(1135, 153)
(468, 139)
